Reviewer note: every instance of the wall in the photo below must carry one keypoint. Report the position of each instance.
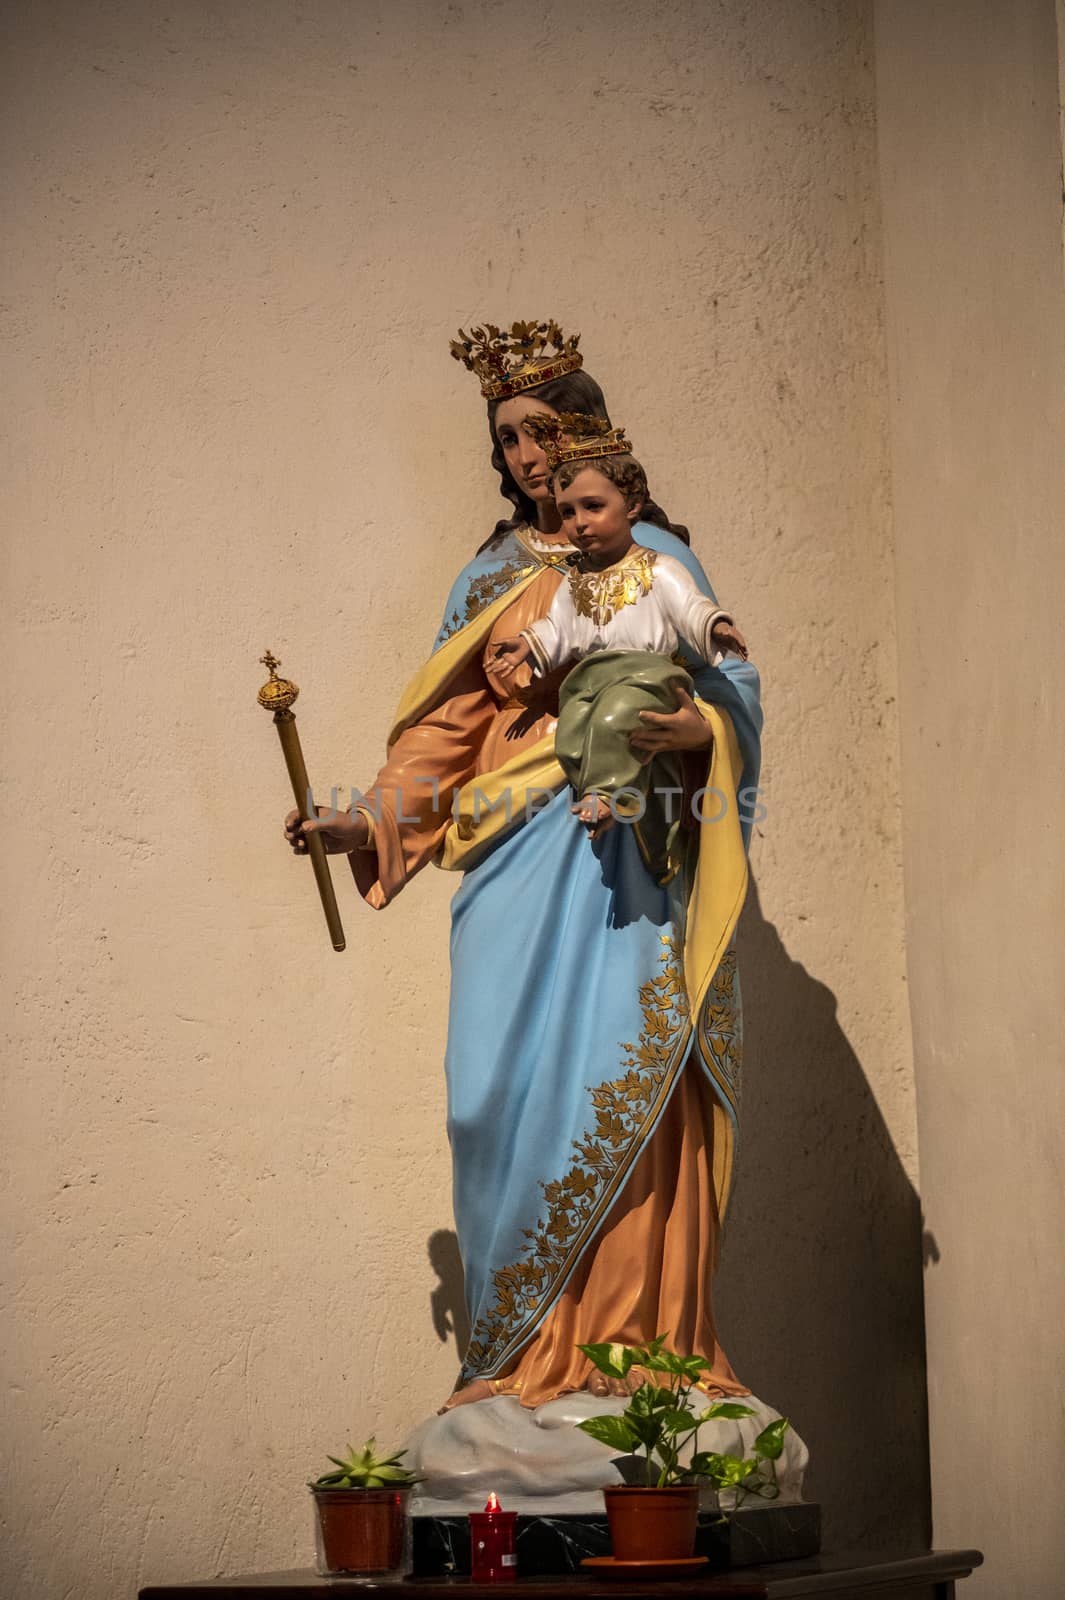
(968, 100)
(240, 238)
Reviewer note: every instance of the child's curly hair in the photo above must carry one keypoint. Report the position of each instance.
(625, 472)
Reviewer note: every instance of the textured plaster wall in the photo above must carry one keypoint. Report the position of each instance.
(969, 100)
(238, 239)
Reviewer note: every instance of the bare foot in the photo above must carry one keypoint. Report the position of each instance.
(595, 813)
(602, 1387)
(478, 1389)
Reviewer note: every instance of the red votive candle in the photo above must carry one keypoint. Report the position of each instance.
(493, 1539)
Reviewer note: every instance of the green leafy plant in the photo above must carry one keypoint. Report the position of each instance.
(661, 1419)
(365, 1469)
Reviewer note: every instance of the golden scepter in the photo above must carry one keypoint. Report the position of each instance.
(277, 695)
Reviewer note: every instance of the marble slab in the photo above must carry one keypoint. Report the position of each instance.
(558, 1544)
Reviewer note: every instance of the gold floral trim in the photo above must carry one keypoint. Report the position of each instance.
(551, 555)
(486, 589)
(482, 593)
(720, 1032)
(624, 1110)
(600, 595)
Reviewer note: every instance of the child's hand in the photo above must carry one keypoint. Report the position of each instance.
(510, 653)
(727, 636)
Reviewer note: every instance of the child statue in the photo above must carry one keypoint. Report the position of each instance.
(623, 615)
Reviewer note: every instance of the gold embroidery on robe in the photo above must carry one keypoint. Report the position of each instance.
(600, 595)
(486, 589)
(481, 593)
(719, 1034)
(666, 1218)
(624, 1110)
(552, 555)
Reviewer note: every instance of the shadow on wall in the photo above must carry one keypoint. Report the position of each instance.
(447, 1301)
(819, 1298)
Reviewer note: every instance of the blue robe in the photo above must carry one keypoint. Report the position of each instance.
(572, 995)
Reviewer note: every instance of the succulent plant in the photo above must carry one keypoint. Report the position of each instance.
(366, 1469)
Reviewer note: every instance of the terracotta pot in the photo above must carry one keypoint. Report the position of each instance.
(652, 1524)
(361, 1530)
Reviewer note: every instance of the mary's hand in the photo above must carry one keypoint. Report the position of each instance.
(683, 729)
(340, 831)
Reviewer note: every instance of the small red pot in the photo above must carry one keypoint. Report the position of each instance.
(361, 1530)
(652, 1524)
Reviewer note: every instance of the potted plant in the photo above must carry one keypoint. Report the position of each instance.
(362, 1512)
(653, 1516)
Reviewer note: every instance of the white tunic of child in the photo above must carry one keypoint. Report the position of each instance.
(645, 601)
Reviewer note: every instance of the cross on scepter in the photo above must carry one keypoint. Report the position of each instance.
(278, 695)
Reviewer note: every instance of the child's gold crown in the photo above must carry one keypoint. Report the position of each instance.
(507, 363)
(573, 436)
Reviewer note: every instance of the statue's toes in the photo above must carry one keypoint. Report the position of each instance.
(479, 1389)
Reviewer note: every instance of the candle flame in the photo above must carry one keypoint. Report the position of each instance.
(492, 1503)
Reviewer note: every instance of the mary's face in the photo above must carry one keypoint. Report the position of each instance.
(525, 460)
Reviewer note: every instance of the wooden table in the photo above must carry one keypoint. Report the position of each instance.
(930, 1575)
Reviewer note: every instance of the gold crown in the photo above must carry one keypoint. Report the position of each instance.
(507, 363)
(573, 436)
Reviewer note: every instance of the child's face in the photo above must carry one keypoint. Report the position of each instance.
(596, 516)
